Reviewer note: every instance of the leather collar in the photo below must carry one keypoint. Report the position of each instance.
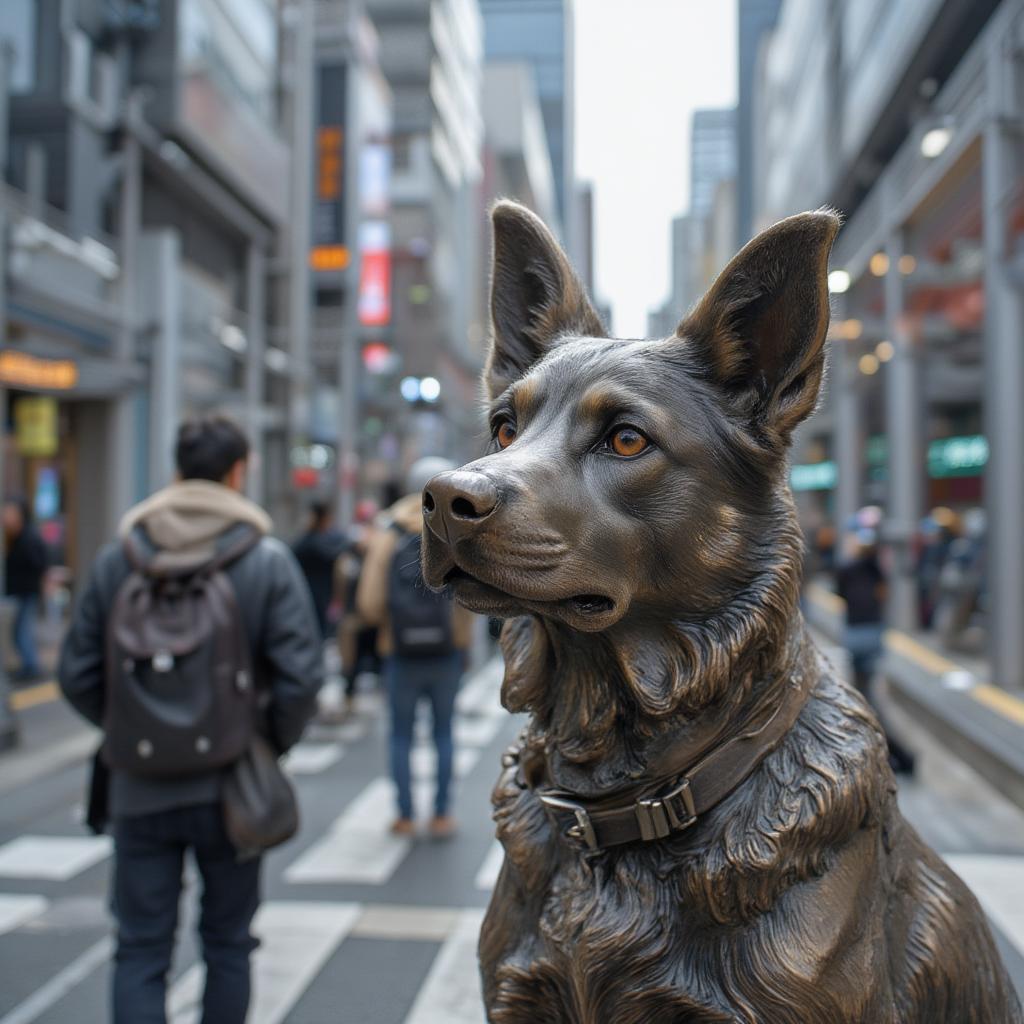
(594, 827)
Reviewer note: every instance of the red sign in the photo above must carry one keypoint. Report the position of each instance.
(375, 274)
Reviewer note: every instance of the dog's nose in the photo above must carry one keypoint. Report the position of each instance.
(454, 503)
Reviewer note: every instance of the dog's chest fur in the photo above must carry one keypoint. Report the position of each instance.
(737, 919)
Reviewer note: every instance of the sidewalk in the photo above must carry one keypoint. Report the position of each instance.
(951, 695)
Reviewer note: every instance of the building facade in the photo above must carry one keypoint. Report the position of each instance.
(540, 32)
(146, 184)
(754, 19)
(903, 116)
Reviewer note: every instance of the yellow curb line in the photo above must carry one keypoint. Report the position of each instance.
(43, 693)
(1000, 701)
(993, 697)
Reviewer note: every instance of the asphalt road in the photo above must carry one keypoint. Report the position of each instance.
(358, 927)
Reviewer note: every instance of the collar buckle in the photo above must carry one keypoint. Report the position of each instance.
(660, 816)
(583, 830)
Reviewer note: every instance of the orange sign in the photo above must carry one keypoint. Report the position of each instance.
(328, 257)
(328, 162)
(20, 370)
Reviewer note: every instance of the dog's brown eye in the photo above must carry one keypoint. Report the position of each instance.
(506, 434)
(626, 441)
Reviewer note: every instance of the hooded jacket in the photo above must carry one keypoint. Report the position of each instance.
(372, 593)
(185, 524)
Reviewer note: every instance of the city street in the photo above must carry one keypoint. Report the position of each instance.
(360, 927)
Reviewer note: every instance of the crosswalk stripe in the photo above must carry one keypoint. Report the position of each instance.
(57, 858)
(296, 939)
(358, 847)
(312, 758)
(423, 761)
(487, 876)
(60, 984)
(451, 993)
(15, 910)
(998, 882)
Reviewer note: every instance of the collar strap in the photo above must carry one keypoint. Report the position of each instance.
(689, 796)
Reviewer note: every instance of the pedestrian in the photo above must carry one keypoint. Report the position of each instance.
(357, 641)
(198, 540)
(862, 585)
(424, 640)
(25, 566)
(316, 551)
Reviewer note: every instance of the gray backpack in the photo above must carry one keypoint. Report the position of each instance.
(180, 694)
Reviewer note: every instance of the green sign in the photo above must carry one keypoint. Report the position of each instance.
(813, 476)
(957, 456)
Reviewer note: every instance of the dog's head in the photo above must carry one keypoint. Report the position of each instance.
(631, 481)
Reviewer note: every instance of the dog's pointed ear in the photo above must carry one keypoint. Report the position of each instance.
(536, 298)
(759, 333)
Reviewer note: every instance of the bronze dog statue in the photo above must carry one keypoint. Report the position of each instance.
(700, 823)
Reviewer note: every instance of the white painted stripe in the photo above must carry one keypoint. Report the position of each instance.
(487, 876)
(54, 857)
(998, 882)
(424, 762)
(359, 846)
(60, 984)
(451, 994)
(296, 940)
(16, 910)
(312, 758)
(476, 732)
(483, 692)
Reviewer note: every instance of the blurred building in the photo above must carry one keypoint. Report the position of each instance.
(431, 52)
(754, 19)
(146, 187)
(907, 118)
(703, 239)
(540, 32)
(712, 156)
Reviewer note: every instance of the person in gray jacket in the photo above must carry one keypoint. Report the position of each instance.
(156, 820)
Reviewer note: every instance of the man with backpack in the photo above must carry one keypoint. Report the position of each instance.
(423, 638)
(194, 647)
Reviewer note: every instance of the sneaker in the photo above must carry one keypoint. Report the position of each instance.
(403, 827)
(443, 826)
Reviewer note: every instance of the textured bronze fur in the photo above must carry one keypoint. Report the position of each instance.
(652, 609)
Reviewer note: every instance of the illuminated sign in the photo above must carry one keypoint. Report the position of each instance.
(957, 456)
(329, 251)
(20, 370)
(813, 476)
(328, 257)
(35, 426)
(329, 161)
(375, 273)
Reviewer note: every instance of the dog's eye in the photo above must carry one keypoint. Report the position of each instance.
(627, 441)
(506, 434)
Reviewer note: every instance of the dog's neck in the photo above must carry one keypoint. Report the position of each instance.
(621, 709)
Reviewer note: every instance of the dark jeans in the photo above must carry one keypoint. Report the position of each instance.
(25, 633)
(149, 852)
(409, 679)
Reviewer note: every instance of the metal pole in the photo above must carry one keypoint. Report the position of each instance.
(8, 723)
(906, 461)
(1004, 376)
(303, 65)
(348, 350)
(256, 275)
(121, 434)
(846, 436)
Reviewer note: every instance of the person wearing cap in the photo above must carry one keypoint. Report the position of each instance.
(410, 678)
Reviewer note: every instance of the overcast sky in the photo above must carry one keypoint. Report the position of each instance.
(642, 68)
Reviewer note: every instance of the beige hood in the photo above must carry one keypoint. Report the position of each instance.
(186, 519)
(407, 512)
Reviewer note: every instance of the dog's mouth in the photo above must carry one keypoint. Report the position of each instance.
(587, 612)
